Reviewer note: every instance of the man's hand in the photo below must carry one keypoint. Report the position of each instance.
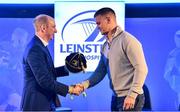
(76, 89)
(129, 103)
(82, 86)
(79, 88)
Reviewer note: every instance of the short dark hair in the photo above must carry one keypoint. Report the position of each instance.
(104, 11)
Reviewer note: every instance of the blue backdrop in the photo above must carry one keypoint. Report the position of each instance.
(155, 34)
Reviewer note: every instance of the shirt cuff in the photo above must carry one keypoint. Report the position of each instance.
(132, 94)
(70, 91)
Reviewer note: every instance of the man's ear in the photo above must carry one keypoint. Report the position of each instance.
(108, 19)
(43, 27)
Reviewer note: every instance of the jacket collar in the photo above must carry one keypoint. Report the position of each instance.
(43, 41)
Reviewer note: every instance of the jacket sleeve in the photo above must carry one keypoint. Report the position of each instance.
(98, 74)
(61, 71)
(42, 73)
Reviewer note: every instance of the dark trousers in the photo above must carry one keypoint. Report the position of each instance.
(117, 103)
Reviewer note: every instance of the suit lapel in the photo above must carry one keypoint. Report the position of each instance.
(49, 56)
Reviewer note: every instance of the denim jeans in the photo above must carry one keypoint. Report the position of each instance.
(117, 103)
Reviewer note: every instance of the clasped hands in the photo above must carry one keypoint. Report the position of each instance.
(76, 89)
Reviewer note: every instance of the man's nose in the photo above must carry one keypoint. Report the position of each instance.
(55, 31)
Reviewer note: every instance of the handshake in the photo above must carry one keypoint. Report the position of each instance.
(76, 62)
(79, 88)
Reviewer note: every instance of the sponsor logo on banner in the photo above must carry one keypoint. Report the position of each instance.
(80, 34)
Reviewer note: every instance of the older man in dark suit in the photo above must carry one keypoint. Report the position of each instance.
(40, 85)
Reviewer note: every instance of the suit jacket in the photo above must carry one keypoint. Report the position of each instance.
(40, 85)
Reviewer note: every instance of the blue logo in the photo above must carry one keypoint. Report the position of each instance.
(88, 25)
